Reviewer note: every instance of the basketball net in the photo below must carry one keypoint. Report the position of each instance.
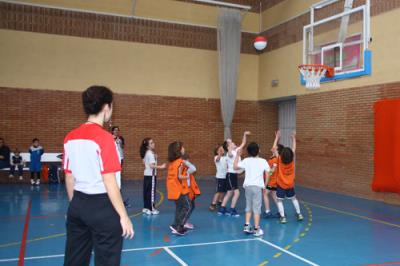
(313, 74)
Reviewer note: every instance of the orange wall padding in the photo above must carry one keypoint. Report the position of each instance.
(387, 146)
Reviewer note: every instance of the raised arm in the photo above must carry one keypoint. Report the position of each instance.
(244, 139)
(294, 141)
(277, 137)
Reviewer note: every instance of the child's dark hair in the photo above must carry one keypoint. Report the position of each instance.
(114, 128)
(253, 149)
(287, 155)
(174, 150)
(225, 146)
(95, 97)
(144, 147)
(217, 148)
(35, 139)
(279, 148)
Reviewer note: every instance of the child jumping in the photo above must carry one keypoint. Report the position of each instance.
(232, 177)
(273, 176)
(286, 175)
(256, 171)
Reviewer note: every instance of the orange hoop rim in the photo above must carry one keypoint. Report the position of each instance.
(330, 72)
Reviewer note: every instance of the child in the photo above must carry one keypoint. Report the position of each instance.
(177, 190)
(35, 167)
(256, 170)
(232, 177)
(285, 180)
(194, 190)
(149, 157)
(17, 162)
(273, 175)
(221, 166)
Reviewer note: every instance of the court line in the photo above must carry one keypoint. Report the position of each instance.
(10, 244)
(352, 214)
(287, 252)
(181, 246)
(24, 235)
(181, 262)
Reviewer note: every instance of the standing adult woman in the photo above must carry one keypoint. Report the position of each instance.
(96, 217)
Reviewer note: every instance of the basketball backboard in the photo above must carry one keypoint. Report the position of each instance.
(338, 36)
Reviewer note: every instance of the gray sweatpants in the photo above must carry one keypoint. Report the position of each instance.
(253, 199)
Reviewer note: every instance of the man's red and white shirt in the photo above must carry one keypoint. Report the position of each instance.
(89, 152)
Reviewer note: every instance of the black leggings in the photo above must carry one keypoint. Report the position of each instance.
(149, 192)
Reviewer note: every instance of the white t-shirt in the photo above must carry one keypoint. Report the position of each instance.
(255, 167)
(230, 160)
(221, 166)
(148, 159)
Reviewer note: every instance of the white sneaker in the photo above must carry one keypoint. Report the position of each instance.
(20, 177)
(258, 232)
(155, 212)
(32, 182)
(38, 182)
(146, 211)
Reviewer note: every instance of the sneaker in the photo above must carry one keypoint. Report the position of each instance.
(222, 211)
(248, 229)
(146, 211)
(20, 177)
(267, 215)
(188, 226)
(219, 203)
(177, 231)
(155, 212)
(32, 182)
(234, 213)
(11, 176)
(212, 207)
(282, 220)
(38, 182)
(299, 217)
(258, 232)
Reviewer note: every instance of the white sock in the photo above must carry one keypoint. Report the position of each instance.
(267, 211)
(296, 205)
(280, 208)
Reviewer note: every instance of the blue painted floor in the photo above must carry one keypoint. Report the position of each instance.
(337, 230)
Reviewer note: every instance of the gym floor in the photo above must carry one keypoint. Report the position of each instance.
(337, 230)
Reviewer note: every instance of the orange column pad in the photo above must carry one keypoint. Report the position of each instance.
(387, 146)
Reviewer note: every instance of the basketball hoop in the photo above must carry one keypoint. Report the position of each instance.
(312, 74)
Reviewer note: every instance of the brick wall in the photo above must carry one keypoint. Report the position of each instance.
(49, 115)
(336, 140)
(110, 27)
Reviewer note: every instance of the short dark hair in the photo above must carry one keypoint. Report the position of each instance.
(280, 148)
(253, 149)
(174, 150)
(287, 155)
(114, 127)
(95, 97)
(35, 139)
